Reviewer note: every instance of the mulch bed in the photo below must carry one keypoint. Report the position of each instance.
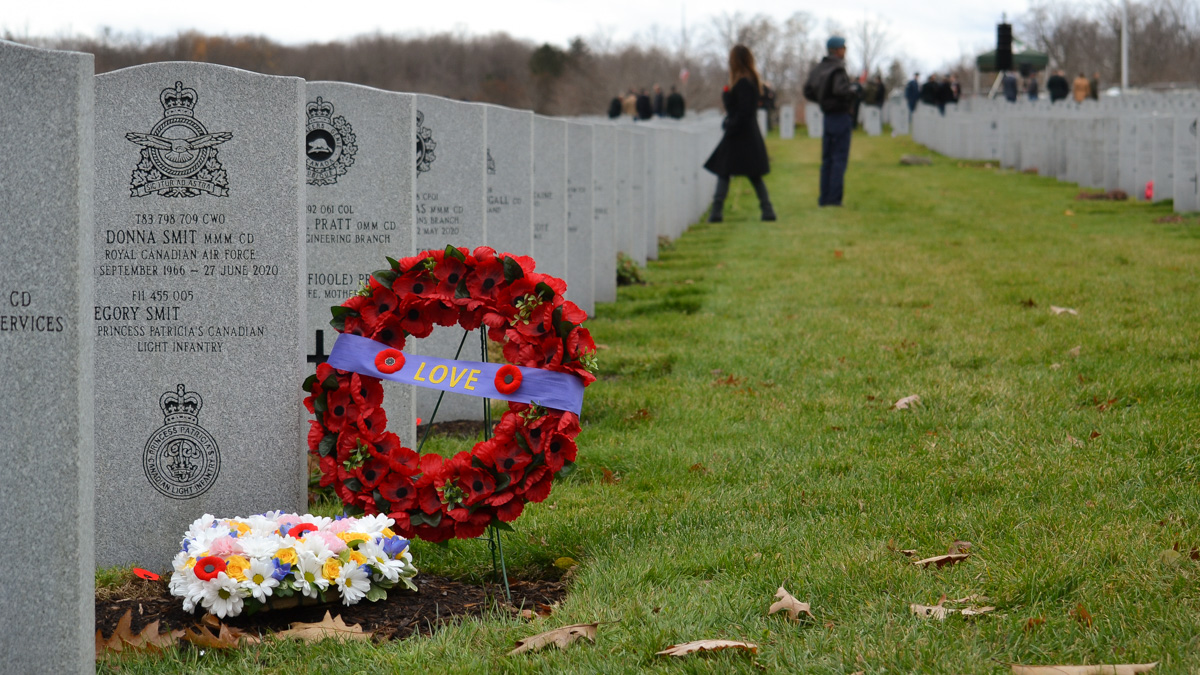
(402, 614)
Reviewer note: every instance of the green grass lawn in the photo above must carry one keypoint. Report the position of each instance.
(744, 411)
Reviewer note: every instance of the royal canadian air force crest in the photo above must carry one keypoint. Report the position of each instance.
(425, 145)
(179, 156)
(329, 143)
(181, 459)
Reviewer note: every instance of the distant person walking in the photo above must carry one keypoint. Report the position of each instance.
(643, 105)
(1057, 86)
(1094, 87)
(912, 92)
(929, 90)
(829, 86)
(659, 110)
(675, 105)
(629, 105)
(1009, 85)
(1032, 90)
(741, 151)
(877, 92)
(614, 107)
(1081, 88)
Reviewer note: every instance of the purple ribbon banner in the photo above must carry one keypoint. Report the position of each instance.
(547, 388)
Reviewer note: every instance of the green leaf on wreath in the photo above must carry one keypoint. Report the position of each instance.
(461, 290)
(395, 264)
(251, 606)
(352, 484)
(523, 443)
(328, 445)
(544, 291)
(319, 404)
(503, 480)
(385, 277)
(501, 525)
(567, 469)
(309, 382)
(344, 556)
(512, 270)
(283, 591)
(422, 518)
(330, 383)
(376, 593)
(455, 253)
(381, 504)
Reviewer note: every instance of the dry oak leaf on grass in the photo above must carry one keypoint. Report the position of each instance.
(331, 627)
(559, 637)
(147, 640)
(940, 561)
(907, 402)
(1119, 669)
(940, 611)
(1063, 310)
(788, 603)
(226, 637)
(707, 646)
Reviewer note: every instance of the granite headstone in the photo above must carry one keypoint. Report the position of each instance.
(450, 209)
(787, 121)
(604, 203)
(360, 170)
(510, 180)
(47, 617)
(550, 195)
(580, 217)
(1186, 149)
(200, 309)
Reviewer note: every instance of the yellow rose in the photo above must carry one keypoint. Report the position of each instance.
(358, 558)
(191, 562)
(236, 567)
(287, 556)
(350, 537)
(242, 528)
(331, 569)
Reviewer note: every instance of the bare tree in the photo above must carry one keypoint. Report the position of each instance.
(871, 41)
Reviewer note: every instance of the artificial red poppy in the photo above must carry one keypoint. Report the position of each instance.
(208, 567)
(510, 511)
(372, 472)
(558, 449)
(389, 361)
(316, 433)
(415, 318)
(486, 280)
(297, 531)
(508, 379)
(399, 491)
(506, 457)
(340, 410)
(367, 391)
(390, 331)
(146, 574)
(382, 304)
(448, 273)
(419, 283)
(478, 484)
(474, 525)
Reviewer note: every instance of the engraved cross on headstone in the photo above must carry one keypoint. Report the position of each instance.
(320, 356)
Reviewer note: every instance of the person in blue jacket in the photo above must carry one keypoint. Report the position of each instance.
(741, 151)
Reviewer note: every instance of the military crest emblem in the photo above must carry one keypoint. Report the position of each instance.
(425, 145)
(329, 143)
(181, 459)
(179, 156)
(491, 163)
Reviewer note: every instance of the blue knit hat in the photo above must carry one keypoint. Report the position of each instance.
(836, 42)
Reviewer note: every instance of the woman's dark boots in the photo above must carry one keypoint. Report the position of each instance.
(717, 213)
(764, 200)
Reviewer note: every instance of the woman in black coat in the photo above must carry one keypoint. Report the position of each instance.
(741, 151)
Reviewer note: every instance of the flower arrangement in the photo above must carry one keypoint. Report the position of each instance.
(227, 565)
(429, 496)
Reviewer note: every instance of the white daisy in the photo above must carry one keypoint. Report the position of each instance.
(314, 546)
(307, 573)
(259, 580)
(353, 583)
(222, 596)
(373, 524)
(262, 545)
(385, 567)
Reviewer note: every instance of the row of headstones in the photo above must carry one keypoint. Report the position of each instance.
(872, 119)
(174, 238)
(1122, 143)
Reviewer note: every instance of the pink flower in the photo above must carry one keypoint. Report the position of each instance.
(335, 544)
(339, 526)
(225, 547)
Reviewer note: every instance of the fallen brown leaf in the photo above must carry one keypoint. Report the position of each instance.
(1033, 622)
(1074, 441)
(943, 560)
(609, 477)
(1074, 352)
(699, 468)
(1028, 302)
(958, 546)
(1095, 434)
(1082, 615)
(226, 637)
(1121, 669)
(331, 627)
(707, 646)
(123, 638)
(907, 402)
(788, 603)
(1063, 310)
(940, 611)
(559, 637)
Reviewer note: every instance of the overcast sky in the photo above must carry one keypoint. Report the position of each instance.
(929, 32)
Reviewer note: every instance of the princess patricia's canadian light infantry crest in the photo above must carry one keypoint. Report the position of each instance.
(425, 145)
(329, 143)
(179, 156)
(181, 459)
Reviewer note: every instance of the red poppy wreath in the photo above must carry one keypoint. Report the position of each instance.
(428, 496)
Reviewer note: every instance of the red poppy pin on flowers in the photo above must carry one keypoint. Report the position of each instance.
(431, 497)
